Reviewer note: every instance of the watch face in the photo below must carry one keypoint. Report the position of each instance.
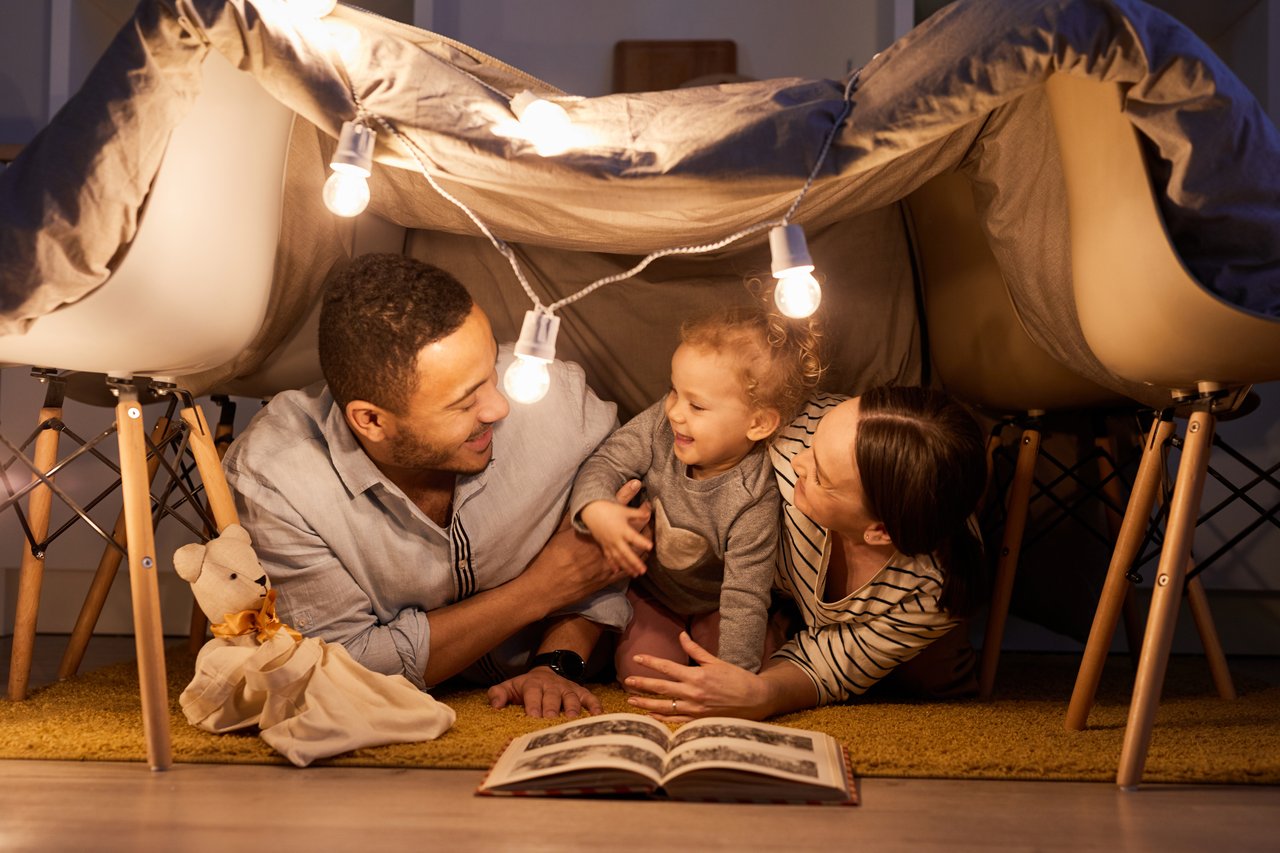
(563, 662)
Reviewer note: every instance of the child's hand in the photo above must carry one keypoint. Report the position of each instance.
(614, 527)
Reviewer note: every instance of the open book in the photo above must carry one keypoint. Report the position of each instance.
(717, 758)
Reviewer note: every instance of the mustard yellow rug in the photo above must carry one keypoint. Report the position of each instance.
(1020, 735)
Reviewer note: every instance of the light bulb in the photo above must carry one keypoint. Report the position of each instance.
(797, 292)
(543, 123)
(346, 193)
(312, 8)
(527, 379)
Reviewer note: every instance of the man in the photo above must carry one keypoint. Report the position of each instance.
(408, 511)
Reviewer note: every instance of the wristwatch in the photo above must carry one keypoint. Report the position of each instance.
(563, 662)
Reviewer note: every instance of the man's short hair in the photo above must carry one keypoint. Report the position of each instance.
(378, 314)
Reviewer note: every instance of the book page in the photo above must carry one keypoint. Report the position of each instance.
(608, 751)
(787, 755)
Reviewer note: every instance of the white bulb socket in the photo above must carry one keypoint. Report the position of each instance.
(354, 153)
(538, 336)
(790, 250)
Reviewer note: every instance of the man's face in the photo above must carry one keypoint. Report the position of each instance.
(448, 423)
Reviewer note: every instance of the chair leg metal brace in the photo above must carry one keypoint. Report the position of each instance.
(1166, 597)
(147, 628)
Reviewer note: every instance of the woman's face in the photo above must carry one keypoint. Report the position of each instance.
(828, 488)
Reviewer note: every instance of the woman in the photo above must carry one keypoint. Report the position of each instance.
(876, 550)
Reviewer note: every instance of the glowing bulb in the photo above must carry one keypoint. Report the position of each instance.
(346, 193)
(333, 36)
(797, 292)
(312, 8)
(527, 379)
(543, 123)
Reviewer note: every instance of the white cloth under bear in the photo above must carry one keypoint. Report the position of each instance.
(308, 698)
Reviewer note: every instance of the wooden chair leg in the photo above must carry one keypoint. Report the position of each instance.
(1116, 586)
(994, 440)
(1007, 564)
(108, 567)
(1203, 617)
(1166, 597)
(31, 575)
(209, 464)
(147, 627)
(1108, 452)
(1129, 612)
(222, 436)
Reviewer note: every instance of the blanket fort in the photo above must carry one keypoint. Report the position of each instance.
(962, 92)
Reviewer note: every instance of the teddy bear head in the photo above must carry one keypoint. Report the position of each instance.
(224, 574)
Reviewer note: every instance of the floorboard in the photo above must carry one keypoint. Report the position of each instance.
(59, 805)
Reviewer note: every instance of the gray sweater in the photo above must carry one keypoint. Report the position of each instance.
(715, 540)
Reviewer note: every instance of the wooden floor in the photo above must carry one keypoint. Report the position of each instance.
(55, 805)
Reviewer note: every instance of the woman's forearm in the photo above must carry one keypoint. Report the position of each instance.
(787, 688)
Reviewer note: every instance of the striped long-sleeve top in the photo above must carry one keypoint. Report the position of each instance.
(848, 645)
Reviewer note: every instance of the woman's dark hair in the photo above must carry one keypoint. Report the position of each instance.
(922, 463)
(379, 311)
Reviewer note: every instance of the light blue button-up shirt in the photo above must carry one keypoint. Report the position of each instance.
(355, 561)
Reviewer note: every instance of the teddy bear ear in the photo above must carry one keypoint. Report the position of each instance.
(188, 561)
(235, 531)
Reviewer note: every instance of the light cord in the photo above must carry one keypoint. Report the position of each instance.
(507, 252)
(849, 89)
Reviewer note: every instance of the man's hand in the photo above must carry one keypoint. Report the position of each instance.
(615, 527)
(571, 566)
(544, 694)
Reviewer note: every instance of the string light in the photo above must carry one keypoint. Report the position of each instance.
(543, 123)
(527, 378)
(797, 292)
(346, 193)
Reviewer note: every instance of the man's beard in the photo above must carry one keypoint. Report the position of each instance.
(408, 451)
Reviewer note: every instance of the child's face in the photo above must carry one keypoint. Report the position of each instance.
(714, 425)
(828, 488)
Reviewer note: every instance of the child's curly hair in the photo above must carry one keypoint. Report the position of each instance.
(779, 358)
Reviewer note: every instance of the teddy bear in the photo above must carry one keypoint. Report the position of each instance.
(309, 699)
(225, 575)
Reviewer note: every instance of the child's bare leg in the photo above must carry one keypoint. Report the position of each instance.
(705, 631)
(653, 630)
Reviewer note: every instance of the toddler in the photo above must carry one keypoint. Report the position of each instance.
(700, 453)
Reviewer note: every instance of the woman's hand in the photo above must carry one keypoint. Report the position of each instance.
(714, 688)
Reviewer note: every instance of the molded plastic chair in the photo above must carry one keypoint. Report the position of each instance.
(1148, 320)
(984, 357)
(190, 293)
